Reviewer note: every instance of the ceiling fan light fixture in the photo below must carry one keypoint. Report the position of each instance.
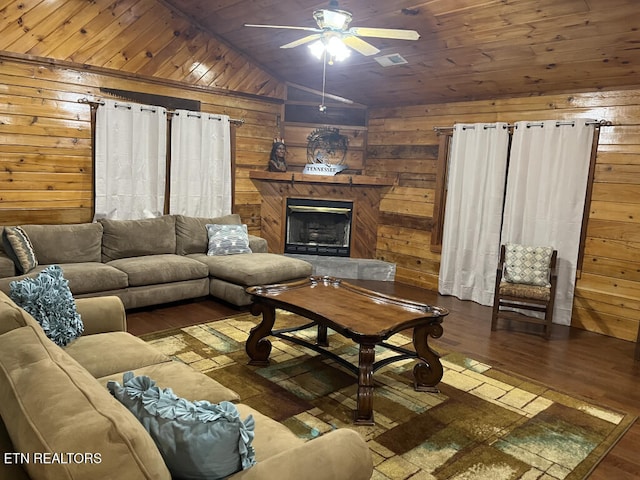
(337, 50)
(334, 47)
(333, 19)
(317, 48)
(336, 38)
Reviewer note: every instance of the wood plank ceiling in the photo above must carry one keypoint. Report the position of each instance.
(468, 49)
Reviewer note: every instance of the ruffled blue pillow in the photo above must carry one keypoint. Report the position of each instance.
(48, 299)
(198, 440)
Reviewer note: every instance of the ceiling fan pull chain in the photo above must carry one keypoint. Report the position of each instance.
(323, 107)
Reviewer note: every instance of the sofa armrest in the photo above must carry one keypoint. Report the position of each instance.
(102, 314)
(257, 244)
(339, 454)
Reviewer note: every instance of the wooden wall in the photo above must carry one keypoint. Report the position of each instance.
(296, 138)
(53, 54)
(402, 141)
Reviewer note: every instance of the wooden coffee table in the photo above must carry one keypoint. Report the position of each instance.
(368, 318)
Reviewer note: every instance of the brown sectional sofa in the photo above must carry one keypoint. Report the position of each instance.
(152, 261)
(54, 400)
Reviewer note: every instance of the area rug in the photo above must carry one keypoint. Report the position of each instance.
(483, 424)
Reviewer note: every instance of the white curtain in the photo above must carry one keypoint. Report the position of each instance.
(200, 182)
(548, 173)
(130, 160)
(473, 211)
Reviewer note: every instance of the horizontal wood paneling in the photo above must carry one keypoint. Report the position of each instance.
(54, 53)
(296, 138)
(46, 173)
(139, 37)
(468, 50)
(45, 134)
(402, 141)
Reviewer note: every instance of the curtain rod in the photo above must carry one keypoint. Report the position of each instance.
(601, 123)
(170, 112)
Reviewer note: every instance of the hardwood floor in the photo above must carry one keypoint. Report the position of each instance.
(574, 361)
(182, 314)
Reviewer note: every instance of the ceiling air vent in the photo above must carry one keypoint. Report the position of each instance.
(389, 60)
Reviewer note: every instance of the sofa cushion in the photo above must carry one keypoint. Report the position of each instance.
(90, 277)
(191, 232)
(227, 239)
(113, 352)
(81, 242)
(197, 439)
(42, 389)
(19, 248)
(156, 269)
(48, 299)
(182, 379)
(250, 269)
(135, 238)
(86, 277)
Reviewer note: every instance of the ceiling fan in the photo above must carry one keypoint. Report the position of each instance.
(333, 27)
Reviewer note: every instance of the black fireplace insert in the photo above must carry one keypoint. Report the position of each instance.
(318, 227)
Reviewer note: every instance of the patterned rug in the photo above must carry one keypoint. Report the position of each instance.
(483, 424)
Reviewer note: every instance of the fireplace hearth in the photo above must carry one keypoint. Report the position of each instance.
(318, 227)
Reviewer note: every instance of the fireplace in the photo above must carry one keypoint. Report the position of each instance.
(318, 227)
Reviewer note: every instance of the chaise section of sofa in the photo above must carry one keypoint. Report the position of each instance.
(230, 275)
(55, 400)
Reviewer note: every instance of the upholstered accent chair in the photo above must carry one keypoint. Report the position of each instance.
(526, 280)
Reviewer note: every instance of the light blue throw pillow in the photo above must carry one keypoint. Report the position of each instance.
(198, 440)
(227, 239)
(48, 299)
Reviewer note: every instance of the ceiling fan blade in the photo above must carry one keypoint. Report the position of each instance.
(385, 33)
(308, 29)
(360, 45)
(302, 41)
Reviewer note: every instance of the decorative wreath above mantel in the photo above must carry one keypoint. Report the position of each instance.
(327, 146)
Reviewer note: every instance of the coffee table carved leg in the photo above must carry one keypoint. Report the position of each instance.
(258, 347)
(364, 410)
(322, 336)
(428, 372)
